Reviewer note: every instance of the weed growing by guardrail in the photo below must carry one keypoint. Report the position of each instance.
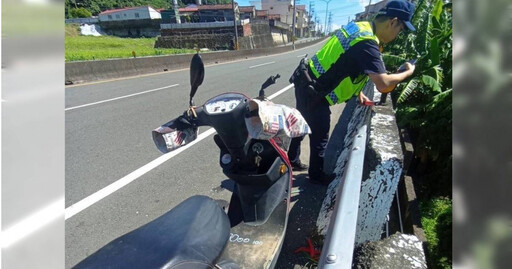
(437, 222)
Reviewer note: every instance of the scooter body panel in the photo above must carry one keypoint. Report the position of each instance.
(257, 245)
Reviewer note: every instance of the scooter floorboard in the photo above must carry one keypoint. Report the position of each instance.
(258, 246)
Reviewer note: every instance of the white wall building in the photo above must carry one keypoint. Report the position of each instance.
(282, 7)
(132, 13)
(371, 10)
(302, 20)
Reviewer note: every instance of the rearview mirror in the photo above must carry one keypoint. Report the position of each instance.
(196, 75)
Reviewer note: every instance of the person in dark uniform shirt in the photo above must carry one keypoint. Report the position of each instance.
(339, 71)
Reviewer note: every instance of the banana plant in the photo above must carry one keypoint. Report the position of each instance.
(424, 100)
(431, 45)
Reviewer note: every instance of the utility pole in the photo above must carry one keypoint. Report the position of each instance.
(293, 25)
(330, 22)
(315, 20)
(176, 12)
(326, 11)
(234, 23)
(309, 19)
(368, 9)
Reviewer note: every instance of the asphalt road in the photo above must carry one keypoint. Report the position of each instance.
(108, 137)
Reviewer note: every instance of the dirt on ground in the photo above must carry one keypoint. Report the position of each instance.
(306, 202)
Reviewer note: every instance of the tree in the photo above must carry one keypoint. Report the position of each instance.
(79, 13)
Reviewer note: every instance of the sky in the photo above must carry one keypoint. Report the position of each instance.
(341, 9)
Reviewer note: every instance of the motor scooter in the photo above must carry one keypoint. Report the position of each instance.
(198, 232)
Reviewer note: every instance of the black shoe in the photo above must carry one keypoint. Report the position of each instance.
(325, 179)
(298, 166)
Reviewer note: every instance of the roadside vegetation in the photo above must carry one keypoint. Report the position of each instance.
(84, 48)
(437, 222)
(424, 107)
(86, 8)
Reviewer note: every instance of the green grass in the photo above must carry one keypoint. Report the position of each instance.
(437, 223)
(83, 48)
(72, 30)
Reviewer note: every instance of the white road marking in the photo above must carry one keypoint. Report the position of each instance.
(280, 92)
(97, 196)
(122, 97)
(258, 65)
(300, 56)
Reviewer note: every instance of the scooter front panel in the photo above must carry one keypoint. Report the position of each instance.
(257, 246)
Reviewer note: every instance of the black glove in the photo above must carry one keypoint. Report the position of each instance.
(313, 89)
(183, 122)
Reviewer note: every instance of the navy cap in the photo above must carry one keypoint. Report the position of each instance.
(403, 10)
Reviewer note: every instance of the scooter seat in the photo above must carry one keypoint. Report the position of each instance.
(191, 235)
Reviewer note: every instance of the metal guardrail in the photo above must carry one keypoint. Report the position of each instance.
(338, 247)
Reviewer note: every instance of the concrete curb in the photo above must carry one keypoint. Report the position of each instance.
(90, 71)
(409, 202)
(386, 161)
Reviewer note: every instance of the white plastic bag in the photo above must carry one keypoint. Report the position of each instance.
(275, 120)
(168, 139)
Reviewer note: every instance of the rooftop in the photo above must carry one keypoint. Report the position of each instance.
(216, 7)
(122, 9)
(247, 8)
(189, 8)
(261, 12)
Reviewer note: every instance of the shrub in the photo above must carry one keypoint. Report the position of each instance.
(437, 223)
(79, 13)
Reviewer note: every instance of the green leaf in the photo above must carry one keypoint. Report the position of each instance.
(441, 96)
(393, 61)
(434, 51)
(436, 72)
(437, 10)
(408, 89)
(446, 37)
(431, 82)
(438, 101)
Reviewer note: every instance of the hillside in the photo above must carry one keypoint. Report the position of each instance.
(94, 7)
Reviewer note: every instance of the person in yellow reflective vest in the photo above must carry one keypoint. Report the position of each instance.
(339, 71)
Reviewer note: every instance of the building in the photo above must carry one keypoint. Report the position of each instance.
(133, 22)
(262, 14)
(91, 20)
(131, 13)
(247, 12)
(282, 7)
(275, 17)
(301, 25)
(283, 10)
(370, 11)
(189, 13)
(213, 13)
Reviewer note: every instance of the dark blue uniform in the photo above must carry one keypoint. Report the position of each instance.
(362, 58)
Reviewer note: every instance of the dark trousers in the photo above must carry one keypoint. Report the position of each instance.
(317, 114)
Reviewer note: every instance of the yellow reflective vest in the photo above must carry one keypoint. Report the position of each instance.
(338, 44)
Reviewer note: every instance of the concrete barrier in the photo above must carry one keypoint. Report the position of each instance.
(346, 224)
(90, 71)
